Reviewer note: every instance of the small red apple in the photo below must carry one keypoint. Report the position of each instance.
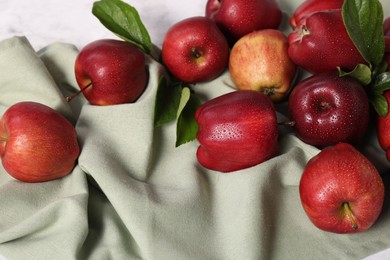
(195, 50)
(111, 72)
(260, 61)
(37, 143)
(383, 129)
(341, 191)
(328, 109)
(236, 131)
(321, 43)
(237, 18)
(310, 6)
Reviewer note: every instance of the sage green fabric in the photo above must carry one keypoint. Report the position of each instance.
(133, 195)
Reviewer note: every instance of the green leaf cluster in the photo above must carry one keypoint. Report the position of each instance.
(363, 20)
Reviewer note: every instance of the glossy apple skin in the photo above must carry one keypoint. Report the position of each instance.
(260, 61)
(236, 131)
(321, 43)
(337, 175)
(328, 109)
(37, 143)
(195, 50)
(116, 69)
(310, 6)
(383, 129)
(237, 18)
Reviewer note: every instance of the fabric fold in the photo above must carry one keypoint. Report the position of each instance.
(134, 195)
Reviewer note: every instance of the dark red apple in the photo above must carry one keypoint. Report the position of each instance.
(341, 191)
(237, 18)
(236, 131)
(321, 43)
(386, 26)
(310, 6)
(195, 50)
(328, 109)
(111, 72)
(37, 143)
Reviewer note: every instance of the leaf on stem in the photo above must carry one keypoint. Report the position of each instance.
(186, 126)
(167, 102)
(123, 20)
(363, 20)
(361, 72)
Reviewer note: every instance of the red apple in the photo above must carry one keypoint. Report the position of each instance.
(341, 191)
(328, 109)
(239, 17)
(195, 50)
(383, 129)
(386, 26)
(310, 6)
(236, 131)
(37, 143)
(321, 43)
(111, 72)
(259, 61)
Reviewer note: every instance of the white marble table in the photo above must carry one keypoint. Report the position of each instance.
(45, 22)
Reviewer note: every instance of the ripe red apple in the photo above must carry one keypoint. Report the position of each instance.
(236, 131)
(195, 50)
(111, 72)
(37, 143)
(386, 26)
(237, 18)
(310, 6)
(341, 191)
(328, 109)
(321, 43)
(383, 129)
(260, 61)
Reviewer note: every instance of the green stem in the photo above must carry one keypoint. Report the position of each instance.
(348, 211)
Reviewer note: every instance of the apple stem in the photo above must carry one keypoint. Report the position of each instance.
(68, 99)
(196, 53)
(348, 211)
(287, 123)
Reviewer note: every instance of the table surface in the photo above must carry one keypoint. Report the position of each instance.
(46, 22)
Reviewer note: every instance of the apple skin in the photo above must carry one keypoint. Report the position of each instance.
(382, 129)
(341, 191)
(237, 18)
(237, 130)
(195, 50)
(327, 109)
(386, 26)
(37, 143)
(260, 61)
(321, 43)
(310, 6)
(116, 69)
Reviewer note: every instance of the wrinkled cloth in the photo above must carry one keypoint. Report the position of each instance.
(134, 195)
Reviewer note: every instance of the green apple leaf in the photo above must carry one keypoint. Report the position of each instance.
(361, 72)
(167, 102)
(363, 20)
(380, 104)
(186, 126)
(123, 20)
(382, 83)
